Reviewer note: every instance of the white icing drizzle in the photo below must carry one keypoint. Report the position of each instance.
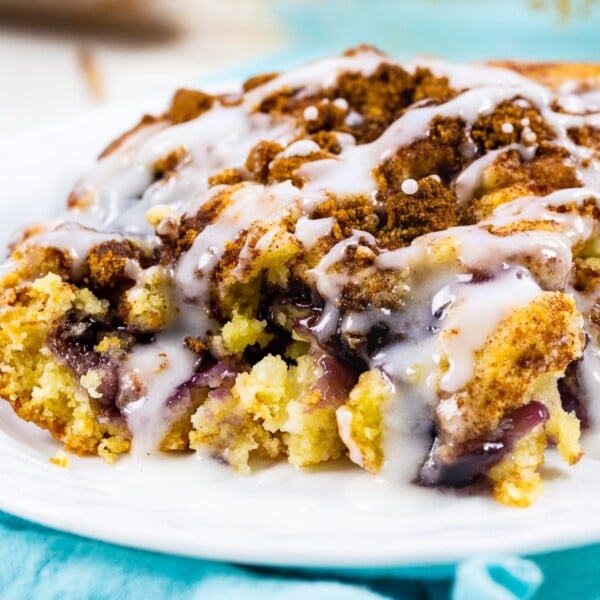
(351, 171)
(344, 421)
(311, 113)
(341, 103)
(329, 284)
(74, 240)
(406, 437)
(310, 231)
(529, 136)
(7, 267)
(301, 148)
(218, 139)
(474, 313)
(469, 180)
(409, 186)
(461, 76)
(158, 368)
(591, 101)
(354, 119)
(221, 137)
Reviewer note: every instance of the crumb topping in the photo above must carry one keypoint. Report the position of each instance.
(107, 262)
(440, 152)
(377, 100)
(527, 126)
(430, 207)
(189, 104)
(587, 136)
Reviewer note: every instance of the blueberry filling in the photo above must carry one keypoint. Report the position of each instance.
(572, 395)
(444, 467)
(76, 351)
(220, 375)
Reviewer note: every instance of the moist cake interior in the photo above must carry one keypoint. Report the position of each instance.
(394, 262)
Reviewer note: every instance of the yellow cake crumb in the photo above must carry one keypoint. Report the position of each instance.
(241, 332)
(60, 459)
(162, 213)
(364, 434)
(112, 346)
(267, 253)
(273, 409)
(562, 428)
(223, 427)
(515, 479)
(37, 386)
(90, 382)
(311, 434)
(264, 392)
(149, 305)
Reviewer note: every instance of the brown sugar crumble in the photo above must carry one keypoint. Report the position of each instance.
(327, 141)
(258, 80)
(431, 208)
(511, 176)
(230, 176)
(168, 163)
(285, 168)
(107, 262)
(192, 225)
(195, 345)
(326, 116)
(587, 136)
(189, 104)
(511, 122)
(349, 214)
(382, 289)
(439, 153)
(382, 97)
(260, 157)
(378, 99)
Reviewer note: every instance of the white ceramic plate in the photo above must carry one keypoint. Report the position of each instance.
(334, 516)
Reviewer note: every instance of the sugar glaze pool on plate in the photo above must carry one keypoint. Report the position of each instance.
(335, 515)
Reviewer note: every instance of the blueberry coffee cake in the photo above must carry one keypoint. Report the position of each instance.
(393, 262)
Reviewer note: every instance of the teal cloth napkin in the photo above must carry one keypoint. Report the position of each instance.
(42, 564)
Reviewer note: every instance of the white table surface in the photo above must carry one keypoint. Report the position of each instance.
(41, 73)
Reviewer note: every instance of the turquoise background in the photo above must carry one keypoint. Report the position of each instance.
(454, 29)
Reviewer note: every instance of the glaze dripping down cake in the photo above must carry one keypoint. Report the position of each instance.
(398, 263)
